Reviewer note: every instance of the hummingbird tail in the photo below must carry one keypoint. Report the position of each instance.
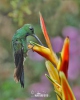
(22, 78)
(19, 70)
(15, 75)
(19, 76)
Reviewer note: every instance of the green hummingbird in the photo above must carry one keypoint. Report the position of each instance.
(19, 43)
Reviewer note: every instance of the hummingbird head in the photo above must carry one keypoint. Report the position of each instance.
(29, 29)
(30, 32)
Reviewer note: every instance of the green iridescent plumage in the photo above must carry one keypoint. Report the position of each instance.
(19, 39)
(19, 43)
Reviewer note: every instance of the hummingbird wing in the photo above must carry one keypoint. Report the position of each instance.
(19, 70)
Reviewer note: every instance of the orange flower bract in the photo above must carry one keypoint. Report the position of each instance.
(57, 68)
(64, 59)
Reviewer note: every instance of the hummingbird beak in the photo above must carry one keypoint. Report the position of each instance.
(37, 39)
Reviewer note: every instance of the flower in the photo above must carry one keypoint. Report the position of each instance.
(64, 61)
(57, 68)
(74, 63)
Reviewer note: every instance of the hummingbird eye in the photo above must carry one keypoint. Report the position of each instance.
(31, 28)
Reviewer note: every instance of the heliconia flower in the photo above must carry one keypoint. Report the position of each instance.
(64, 59)
(47, 39)
(67, 93)
(43, 51)
(49, 54)
(60, 83)
(57, 68)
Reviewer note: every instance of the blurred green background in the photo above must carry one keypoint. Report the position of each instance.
(61, 16)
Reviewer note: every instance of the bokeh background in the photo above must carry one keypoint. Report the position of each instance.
(62, 18)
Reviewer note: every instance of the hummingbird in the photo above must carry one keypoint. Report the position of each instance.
(19, 44)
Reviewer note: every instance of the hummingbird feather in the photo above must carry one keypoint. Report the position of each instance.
(19, 70)
(19, 43)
